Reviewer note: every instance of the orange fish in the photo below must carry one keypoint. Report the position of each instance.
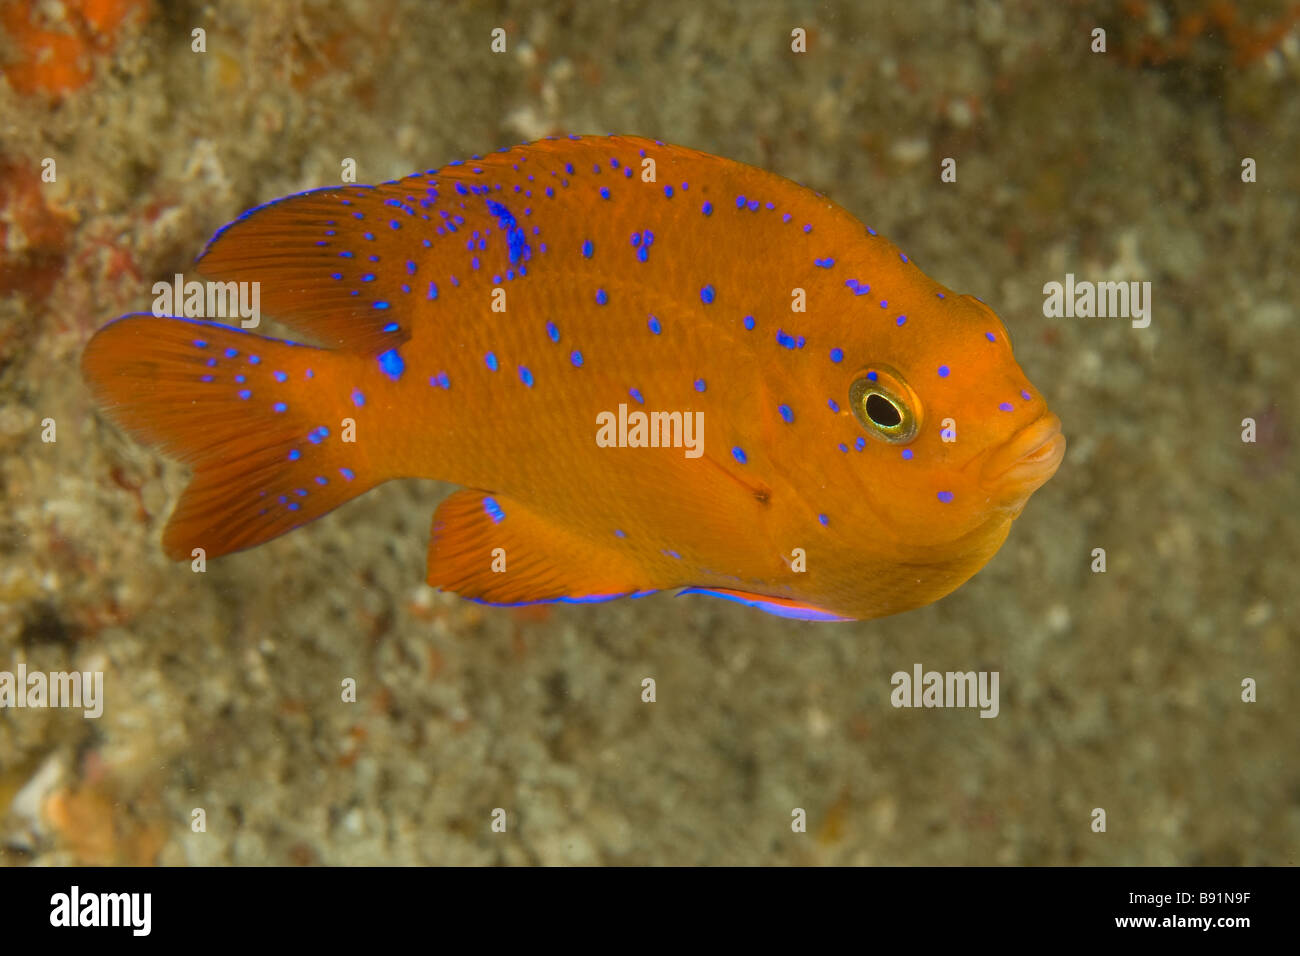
(648, 368)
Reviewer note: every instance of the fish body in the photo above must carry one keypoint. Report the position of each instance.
(861, 437)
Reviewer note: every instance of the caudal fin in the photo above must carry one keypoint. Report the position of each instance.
(254, 417)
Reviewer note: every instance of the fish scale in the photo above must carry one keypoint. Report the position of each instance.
(672, 294)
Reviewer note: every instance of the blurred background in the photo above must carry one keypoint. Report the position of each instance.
(1119, 690)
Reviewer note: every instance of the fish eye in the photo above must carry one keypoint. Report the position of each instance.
(885, 406)
(882, 411)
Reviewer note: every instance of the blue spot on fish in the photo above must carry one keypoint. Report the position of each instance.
(516, 242)
(391, 363)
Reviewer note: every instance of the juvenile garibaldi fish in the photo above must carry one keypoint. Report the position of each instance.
(647, 368)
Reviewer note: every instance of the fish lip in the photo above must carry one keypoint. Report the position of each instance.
(1029, 458)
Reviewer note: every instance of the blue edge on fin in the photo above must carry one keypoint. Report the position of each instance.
(201, 323)
(586, 599)
(248, 213)
(769, 607)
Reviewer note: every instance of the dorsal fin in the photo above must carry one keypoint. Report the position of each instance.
(350, 266)
(311, 256)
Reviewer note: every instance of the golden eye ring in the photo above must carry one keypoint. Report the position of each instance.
(885, 406)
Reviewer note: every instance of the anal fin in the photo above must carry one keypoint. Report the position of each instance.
(492, 549)
(780, 607)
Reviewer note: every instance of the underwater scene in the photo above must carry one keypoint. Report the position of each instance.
(678, 433)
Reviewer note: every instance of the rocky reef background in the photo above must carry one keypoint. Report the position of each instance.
(1119, 690)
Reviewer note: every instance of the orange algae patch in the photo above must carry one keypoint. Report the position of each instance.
(57, 57)
(33, 237)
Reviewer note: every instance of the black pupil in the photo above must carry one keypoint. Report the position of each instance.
(882, 411)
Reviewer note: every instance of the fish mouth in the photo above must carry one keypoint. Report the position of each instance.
(1028, 460)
